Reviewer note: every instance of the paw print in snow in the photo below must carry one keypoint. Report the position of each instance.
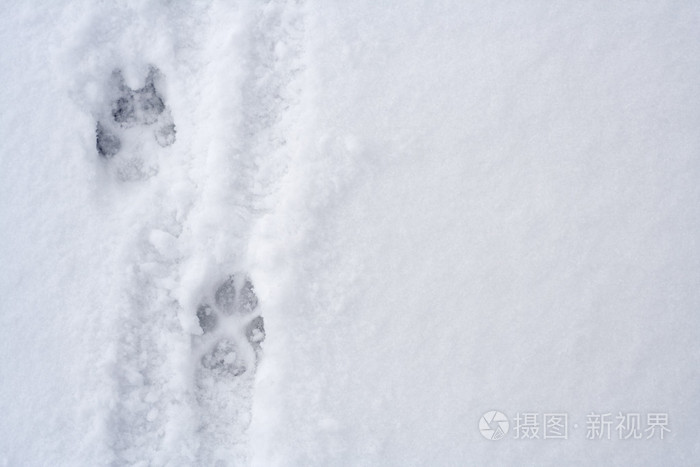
(121, 132)
(232, 328)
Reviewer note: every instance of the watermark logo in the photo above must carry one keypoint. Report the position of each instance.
(494, 425)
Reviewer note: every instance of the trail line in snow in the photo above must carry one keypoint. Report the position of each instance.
(188, 325)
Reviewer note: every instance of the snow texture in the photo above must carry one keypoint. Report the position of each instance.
(329, 233)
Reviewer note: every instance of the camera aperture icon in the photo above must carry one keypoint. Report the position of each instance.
(494, 425)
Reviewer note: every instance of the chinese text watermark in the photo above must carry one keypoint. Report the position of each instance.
(495, 425)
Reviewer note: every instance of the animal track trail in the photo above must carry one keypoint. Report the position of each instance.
(122, 131)
(176, 383)
(134, 128)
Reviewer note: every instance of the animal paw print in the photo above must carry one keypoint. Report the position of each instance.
(232, 328)
(132, 113)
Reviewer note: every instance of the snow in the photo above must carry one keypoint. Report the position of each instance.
(444, 208)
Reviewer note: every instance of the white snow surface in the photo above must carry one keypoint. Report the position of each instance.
(445, 208)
